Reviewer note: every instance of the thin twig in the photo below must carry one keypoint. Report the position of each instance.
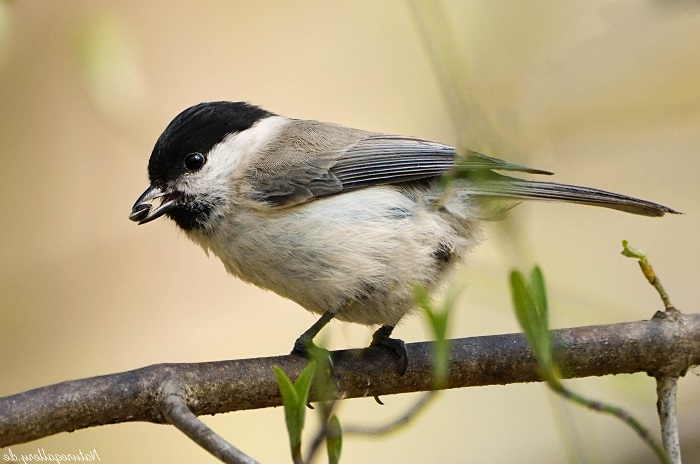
(326, 409)
(397, 423)
(648, 271)
(655, 282)
(176, 411)
(667, 377)
(615, 411)
(666, 406)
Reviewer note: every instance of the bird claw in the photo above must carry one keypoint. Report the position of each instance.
(307, 349)
(381, 338)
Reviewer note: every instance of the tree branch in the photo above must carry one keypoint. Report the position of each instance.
(218, 387)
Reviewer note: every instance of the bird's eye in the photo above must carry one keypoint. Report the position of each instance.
(194, 161)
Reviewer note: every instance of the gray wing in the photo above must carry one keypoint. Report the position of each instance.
(321, 159)
(384, 159)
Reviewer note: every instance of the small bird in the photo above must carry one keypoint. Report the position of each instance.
(342, 221)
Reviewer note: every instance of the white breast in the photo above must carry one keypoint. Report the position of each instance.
(360, 250)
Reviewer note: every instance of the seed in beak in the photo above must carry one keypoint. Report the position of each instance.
(140, 212)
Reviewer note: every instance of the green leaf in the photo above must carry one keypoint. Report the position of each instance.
(524, 306)
(303, 383)
(323, 383)
(632, 252)
(530, 301)
(438, 322)
(294, 397)
(334, 440)
(289, 394)
(290, 402)
(539, 294)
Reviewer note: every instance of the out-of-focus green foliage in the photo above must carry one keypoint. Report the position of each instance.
(438, 321)
(109, 59)
(334, 440)
(4, 28)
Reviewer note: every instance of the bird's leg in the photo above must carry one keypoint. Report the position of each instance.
(382, 338)
(305, 343)
(304, 346)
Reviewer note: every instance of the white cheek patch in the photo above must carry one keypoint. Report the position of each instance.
(226, 157)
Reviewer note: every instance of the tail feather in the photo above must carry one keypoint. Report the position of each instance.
(519, 189)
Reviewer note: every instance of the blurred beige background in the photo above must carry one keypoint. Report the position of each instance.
(604, 93)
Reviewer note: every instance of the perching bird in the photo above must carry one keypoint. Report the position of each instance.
(342, 221)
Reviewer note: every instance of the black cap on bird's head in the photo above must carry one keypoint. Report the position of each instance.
(196, 130)
(182, 148)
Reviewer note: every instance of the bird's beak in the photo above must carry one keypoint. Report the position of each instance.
(142, 211)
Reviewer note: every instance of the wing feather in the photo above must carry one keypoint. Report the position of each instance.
(310, 160)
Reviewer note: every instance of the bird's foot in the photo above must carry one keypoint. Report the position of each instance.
(381, 338)
(306, 348)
